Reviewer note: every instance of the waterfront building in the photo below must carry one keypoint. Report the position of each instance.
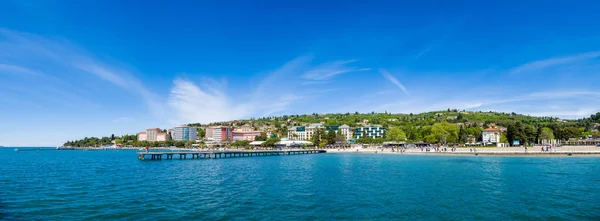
(303, 132)
(490, 135)
(346, 131)
(372, 131)
(245, 135)
(151, 133)
(184, 133)
(141, 136)
(219, 133)
(285, 143)
(162, 137)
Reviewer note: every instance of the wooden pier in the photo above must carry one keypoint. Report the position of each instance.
(221, 154)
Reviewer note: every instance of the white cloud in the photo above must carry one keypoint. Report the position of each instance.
(193, 104)
(43, 57)
(331, 69)
(552, 62)
(276, 92)
(394, 81)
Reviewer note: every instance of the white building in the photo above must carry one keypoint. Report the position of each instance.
(141, 136)
(346, 131)
(184, 133)
(219, 133)
(245, 135)
(303, 132)
(151, 134)
(490, 135)
(162, 137)
(369, 131)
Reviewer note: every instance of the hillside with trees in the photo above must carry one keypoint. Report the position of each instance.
(449, 126)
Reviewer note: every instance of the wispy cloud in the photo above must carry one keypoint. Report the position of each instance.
(331, 69)
(552, 62)
(394, 81)
(315, 82)
(193, 104)
(278, 91)
(123, 120)
(52, 59)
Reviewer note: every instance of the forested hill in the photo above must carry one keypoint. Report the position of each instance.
(418, 127)
(455, 126)
(421, 119)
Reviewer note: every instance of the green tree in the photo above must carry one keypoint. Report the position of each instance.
(396, 134)
(463, 136)
(189, 143)
(330, 137)
(546, 134)
(445, 132)
(270, 142)
(179, 143)
(201, 132)
(431, 138)
(241, 143)
(316, 137)
(516, 132)
(261, 137)
(475, 131)
(503, 139)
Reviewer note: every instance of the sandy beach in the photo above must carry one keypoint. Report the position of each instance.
(566, 150)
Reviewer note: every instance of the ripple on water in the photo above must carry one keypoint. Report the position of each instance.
(106, 185)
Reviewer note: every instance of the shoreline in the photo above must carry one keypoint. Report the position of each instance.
(511, 151)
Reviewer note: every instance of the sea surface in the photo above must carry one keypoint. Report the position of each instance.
(115, 185)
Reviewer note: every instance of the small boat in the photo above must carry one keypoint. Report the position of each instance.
(16, 150)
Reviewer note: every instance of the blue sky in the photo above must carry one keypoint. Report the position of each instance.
(70, 69)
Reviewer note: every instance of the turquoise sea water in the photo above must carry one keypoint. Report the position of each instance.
(114, 185)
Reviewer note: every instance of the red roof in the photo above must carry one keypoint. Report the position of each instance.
(491, 130)
(142, 133)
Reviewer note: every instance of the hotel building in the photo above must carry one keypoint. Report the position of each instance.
(369, 131)
(184, 133)
(219, 133)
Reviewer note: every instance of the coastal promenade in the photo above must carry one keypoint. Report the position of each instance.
(221, 154)
(495, 151)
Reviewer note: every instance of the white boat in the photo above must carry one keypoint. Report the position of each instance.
(16, 150)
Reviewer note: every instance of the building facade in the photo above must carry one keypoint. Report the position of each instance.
(490, 135)
(152, 133)
(244, 128)
(184, 133)
(245, 135)
(162, 137)
(369, 131)
(303, 132)
(346, 131)
(141, 136)
(219, 133)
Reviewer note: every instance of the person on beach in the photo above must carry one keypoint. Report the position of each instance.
(147, 149)
(542, 149)
(525, 149)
